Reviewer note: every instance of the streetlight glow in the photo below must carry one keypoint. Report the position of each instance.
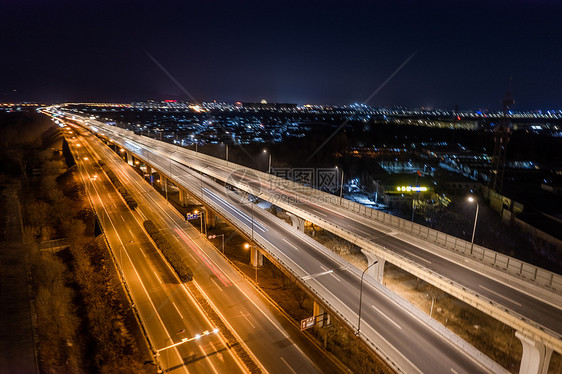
(473, 200)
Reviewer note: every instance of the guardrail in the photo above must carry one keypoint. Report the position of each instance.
(336, 309)
(499, 261)
(330, 199)
(519, 269)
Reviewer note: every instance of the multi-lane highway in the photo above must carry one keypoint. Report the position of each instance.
(168, 312)
(538, 309)
(404, 337)
(268, 337)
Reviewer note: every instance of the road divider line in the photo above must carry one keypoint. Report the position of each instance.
(387, 317)
(175, 306)
(289, 366)
(499, 295)
(416, 256)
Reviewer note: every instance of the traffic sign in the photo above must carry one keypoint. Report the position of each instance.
(308, 323)
(192, 216)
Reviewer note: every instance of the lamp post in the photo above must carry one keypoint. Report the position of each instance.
(269, 167)
(194, 139)
(184, 340)
(201, 219)
(361, 298)
(341, 183)
(473, 200)
(222, 236)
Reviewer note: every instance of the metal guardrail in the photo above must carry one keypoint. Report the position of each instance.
(533, 274)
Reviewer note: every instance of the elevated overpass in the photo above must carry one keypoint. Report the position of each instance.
(522, 296)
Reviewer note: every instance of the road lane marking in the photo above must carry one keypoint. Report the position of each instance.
(175, 306)
(332, 274)
(218, 272)
(317, 275)
(418, 257)
(292, 245)
(207, 357)
(318, 212)
(500, 295)
(387, 317)
(219, 287)
(219, 354)
(454, 371)
(289, 366)
(157, 277)
(247, 319)
(364, 232)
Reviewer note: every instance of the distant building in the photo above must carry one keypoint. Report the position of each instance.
(264, 105)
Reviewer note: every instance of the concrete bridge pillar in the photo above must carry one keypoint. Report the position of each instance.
(210, 218)
(322, 317)
(536, 356)
(164, 184)
(130, 158)
(182, 196)
(298, 222)
(256, 257)
(377, 270)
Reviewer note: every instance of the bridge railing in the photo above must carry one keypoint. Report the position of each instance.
(520, 269)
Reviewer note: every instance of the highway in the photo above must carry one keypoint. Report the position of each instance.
(528, 305)
(406, 338)
(167, 310)
(273, 342)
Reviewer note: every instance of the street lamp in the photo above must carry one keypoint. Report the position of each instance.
(184, 340)
(201, 218)
(269, 153)
(193, 138)
(473, 200)
(222, 236)
(341, 183)
(361, 298)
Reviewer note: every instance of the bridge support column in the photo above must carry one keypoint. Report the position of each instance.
(210, 218)
(164, 184)
(377, 270)
(181, 196)
(536, 356)
(130, 158)
(322, 317)
(256, 257)
(148, 169)
(298, 222)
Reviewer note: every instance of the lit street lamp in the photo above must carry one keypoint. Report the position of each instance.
(184, 340)
(269, 167)
(361, 298)
(201, 218)
(473, 200)
(193, 138)
(341, 185)
(222, 236)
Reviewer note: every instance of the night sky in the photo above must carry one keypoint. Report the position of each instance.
(300, 52)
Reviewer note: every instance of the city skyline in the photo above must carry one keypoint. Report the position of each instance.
(464, 54)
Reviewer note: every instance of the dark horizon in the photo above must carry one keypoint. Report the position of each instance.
(312, 53)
